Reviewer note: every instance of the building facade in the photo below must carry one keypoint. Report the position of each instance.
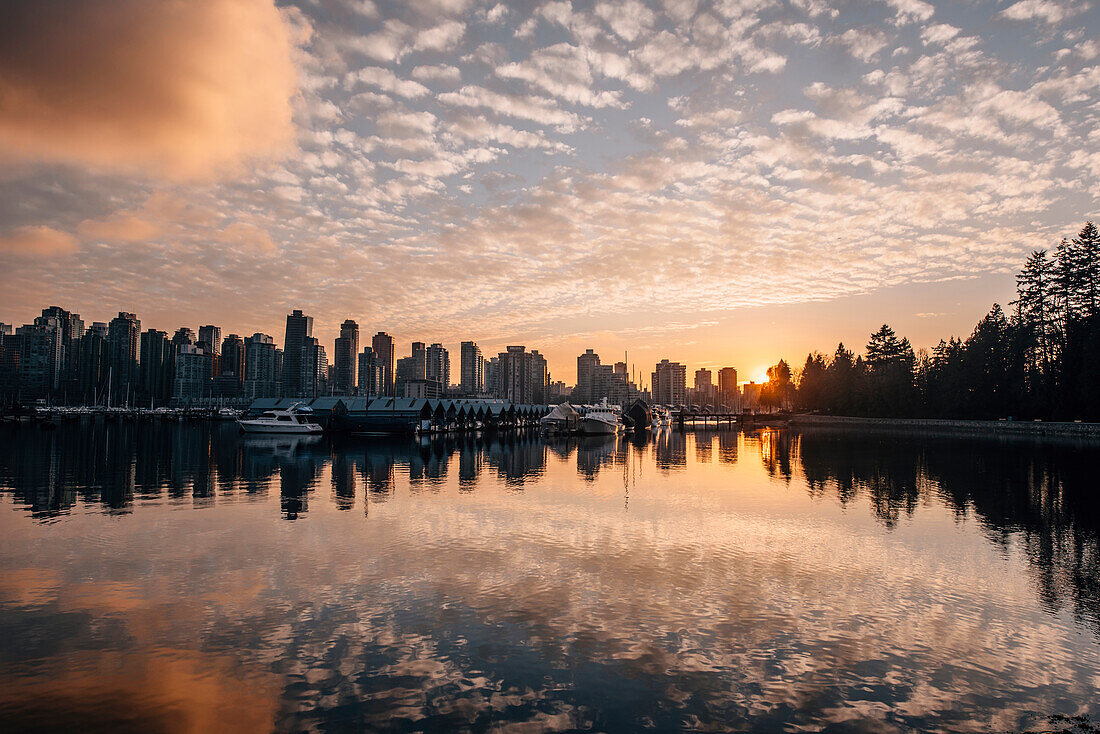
(669, 383)
(345, 359)
(382, 344)
(472, 366)
(299, 330)
(259, 367)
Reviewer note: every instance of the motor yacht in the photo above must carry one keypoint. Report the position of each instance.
(601, 420)
(295, 419)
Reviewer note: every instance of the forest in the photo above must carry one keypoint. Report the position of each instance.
(1040, 360)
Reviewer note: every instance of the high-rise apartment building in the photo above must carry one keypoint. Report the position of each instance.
(704, 387)
(371, 380)
(91, 364)
(382, 345)
(438, 366)
(259, 367)
(472, 366)
(184, 335)
(299, 330)
(413, 367)
(345, 359)
(123, 355)
(71, 329)
(210, 339)
(586, 369)
(156, 367)
(232, 357)
(192, 374)
(669, 383)
(727, 387)
(314, 369)
(40, 356)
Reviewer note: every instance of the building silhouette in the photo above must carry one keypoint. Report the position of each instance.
(382, 344)
(260, 367)
(345, 359)
(123, 355)
(438, 366)
(299, 329)
(586, 372)
(669, 382)
(371, 380)
(156, 368)
(472, 366)
(728, 393)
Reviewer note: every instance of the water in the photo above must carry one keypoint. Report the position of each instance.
(175, 577)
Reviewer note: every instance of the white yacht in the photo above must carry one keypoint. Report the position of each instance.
(295, 419)
(601, 420)
(661, 417)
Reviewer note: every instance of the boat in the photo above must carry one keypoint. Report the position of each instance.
(295, 419)
(601, 420)
(662, 418)
(563, 419)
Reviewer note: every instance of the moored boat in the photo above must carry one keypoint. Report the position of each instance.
(295, 419)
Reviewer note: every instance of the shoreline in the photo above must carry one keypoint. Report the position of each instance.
(1051, 429)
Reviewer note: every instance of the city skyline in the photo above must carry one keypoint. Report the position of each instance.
(653, 177)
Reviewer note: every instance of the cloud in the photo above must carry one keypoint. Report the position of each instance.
(180, 89)
(39, 241)
(911, 11)
(863, 43)
(1045, 10)
(387, 81)
(628, 19)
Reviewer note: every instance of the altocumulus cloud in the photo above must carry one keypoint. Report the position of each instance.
(185, 90)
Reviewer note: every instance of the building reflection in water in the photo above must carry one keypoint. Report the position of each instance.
(591, 615)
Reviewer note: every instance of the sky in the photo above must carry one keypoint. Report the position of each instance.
(719, 184)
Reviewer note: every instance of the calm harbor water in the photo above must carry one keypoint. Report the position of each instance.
(179, 577)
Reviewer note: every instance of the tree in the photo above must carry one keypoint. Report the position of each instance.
(1035, 289)
(891, 364)
(778, 390)
(812, 391)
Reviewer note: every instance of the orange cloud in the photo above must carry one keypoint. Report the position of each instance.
(181, 89)
(44, 241)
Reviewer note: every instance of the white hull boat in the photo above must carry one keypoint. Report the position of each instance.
(601, 420)
(294, 420)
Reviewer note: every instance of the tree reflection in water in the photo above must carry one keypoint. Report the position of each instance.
(679, 580)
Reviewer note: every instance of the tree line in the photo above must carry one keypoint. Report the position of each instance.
(1040, 360)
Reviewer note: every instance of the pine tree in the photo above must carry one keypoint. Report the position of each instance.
(1035, 288)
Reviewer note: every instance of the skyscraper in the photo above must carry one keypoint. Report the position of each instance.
(91, 364)
(586, 369)
(314, 369)
(538, 378)
(370, 373)
(704, 386)
(123, 355)
(727, 387)
(382, 344)
(669, 383)
(472, 378)
(40, 356)
(299, 329)
(232, 357)
(514, 376)
(210, 338)
(183, 335)
(413, 367)
(71, 328)
(259, 367)
(438, 366)
(156, 367)
(345, 359)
